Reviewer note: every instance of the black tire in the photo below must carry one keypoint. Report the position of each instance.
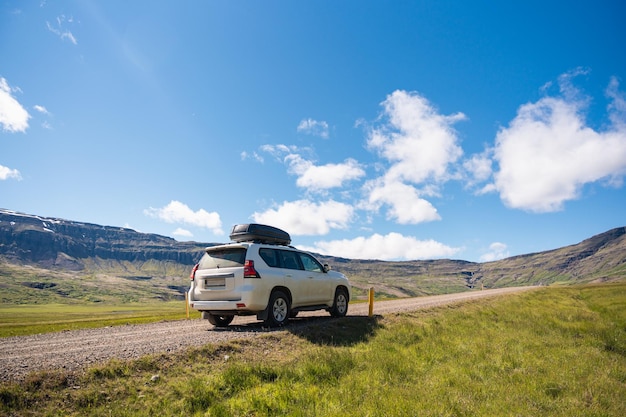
(219, 321)
(340, 304)
(278, 309)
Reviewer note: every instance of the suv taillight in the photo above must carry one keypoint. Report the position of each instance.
(192, 276)
(249, 271)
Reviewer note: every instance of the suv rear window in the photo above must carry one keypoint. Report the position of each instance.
(270, 256)
(223, 258)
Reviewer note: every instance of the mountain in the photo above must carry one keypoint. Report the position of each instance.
(50, 254)
(64, 244)
(50, 260)
(600, 258)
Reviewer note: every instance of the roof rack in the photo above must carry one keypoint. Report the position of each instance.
(259, 233)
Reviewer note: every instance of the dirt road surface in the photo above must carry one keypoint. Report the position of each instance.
(78, 349)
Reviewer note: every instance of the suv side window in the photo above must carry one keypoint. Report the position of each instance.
(269, 256)
(310, 264)
(289, 259)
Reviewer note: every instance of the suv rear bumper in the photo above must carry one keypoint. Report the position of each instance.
(227, 307)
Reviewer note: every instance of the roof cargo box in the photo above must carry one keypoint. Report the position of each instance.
(259, 233)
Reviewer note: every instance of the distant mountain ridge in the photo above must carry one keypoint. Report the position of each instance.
(83, 248)
(599, 258)
(65, 244)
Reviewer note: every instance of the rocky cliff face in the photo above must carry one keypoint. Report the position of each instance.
(50, 242)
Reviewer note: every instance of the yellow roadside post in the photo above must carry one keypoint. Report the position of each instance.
(371, 302)
(187, 305)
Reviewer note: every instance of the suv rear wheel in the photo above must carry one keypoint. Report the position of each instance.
(278, 309)
(220, 321)
(340, 305)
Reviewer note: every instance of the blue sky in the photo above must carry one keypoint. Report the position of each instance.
(470, 130)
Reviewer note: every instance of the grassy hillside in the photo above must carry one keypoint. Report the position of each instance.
(601, 258)
(405, 279)
(111, 282)
(557, 351)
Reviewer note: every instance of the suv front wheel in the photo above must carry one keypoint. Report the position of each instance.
(278, 309)
(340, 305)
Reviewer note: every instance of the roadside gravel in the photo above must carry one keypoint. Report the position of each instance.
(79, 349)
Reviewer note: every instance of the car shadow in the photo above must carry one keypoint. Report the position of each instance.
(345, 331)
(320, 330)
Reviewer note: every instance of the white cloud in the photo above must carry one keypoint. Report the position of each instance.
(314, 127)
(245, 155)
(392, 246)
(7, 173)
(182, 232)
(41, 109)
(406, 205)
(128, 226)
(13, 117)
(278, 151)
(419, 142)
(617, 107)
(497, 250)
(304, 217)
(478, 168)
(310, 176)
(548, 153)
(321, 177)
(177, 212)
(421, 146)
(59, 29)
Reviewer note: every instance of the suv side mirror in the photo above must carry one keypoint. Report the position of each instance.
(326, 268)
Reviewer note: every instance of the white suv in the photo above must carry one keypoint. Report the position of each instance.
(260, 274)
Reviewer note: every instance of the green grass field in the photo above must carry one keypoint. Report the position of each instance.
(550, 352)
(19, 320)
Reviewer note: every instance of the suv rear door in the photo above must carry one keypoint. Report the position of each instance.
(218, 272)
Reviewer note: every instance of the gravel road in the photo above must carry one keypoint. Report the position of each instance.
(76, 350)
